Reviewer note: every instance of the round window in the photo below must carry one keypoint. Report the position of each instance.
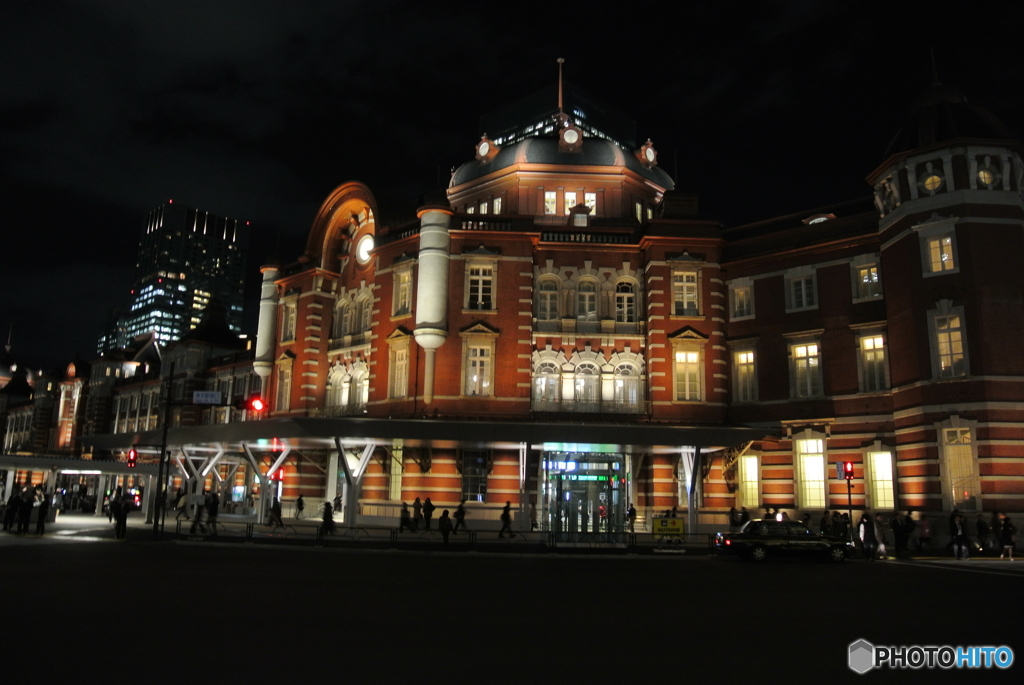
(483, 149)
(363, 248)
(932, 183)
(570, 137)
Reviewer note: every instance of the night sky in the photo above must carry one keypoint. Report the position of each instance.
(257, 110)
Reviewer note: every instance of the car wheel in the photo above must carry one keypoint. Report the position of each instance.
(758, 553)
(836, 554)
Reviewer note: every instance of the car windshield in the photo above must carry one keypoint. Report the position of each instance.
(796, 528)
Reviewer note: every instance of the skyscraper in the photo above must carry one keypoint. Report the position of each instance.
(187, 257)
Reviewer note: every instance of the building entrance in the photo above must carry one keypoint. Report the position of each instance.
(583, 495)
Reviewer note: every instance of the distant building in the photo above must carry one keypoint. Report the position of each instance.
(187, 258)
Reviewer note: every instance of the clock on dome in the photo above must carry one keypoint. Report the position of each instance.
(570, 139)
(486, 149)
(647, 155)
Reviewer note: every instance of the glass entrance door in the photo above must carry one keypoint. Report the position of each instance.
(583, 495)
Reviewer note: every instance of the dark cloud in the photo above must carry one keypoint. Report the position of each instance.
(258, 109)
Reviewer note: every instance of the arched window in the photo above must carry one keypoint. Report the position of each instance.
(547, 382)
(336, 387)
(625, 302)
(342, 319)
(547, 300)
(365, 314)
(628, 386)
(587, 384)
(358, 390)
(586, 301)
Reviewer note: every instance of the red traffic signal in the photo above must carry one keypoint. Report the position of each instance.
(848, 470)
(253, 403)
(133, 458)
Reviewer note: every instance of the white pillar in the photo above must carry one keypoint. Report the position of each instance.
(432, 288)
(266, 331)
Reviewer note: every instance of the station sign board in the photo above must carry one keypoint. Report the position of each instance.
(206, 397)
(667, 526)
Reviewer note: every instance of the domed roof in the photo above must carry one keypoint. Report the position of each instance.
(943, 113)
(593, 152)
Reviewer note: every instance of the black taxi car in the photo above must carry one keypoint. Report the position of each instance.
(760, 539)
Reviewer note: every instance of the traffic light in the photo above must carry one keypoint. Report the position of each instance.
(848, 470)
(253, 403)
(133, 458)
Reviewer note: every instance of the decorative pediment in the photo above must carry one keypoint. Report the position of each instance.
(482, 251)
(688, 334)
(399, 333)
(286, 356)
(686, 258)
(479, 328)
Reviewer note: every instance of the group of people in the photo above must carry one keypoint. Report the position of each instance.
(21, 507)
(423, 512)
(998, 535)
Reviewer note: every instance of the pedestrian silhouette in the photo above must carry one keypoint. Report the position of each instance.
(460, 517)
(506, 521)
(328, 528)
(300, 506)
(444, 525)
(44, 509)
(428, 512)
(417, 513)
(275, 515)
(405, 520)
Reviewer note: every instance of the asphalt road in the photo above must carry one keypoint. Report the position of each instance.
(176, 612)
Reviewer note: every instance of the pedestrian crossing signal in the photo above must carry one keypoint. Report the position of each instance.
(848, 470)
(133, 458)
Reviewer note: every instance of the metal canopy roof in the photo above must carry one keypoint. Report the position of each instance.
(72, 465)
(320, 433)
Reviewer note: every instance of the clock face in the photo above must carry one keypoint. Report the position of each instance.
(649, 154)
(570, 137)
(483, 149)
(363, 248)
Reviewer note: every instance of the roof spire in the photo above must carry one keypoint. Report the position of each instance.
(561, 61)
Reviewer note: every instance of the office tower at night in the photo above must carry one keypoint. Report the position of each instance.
(187, 257)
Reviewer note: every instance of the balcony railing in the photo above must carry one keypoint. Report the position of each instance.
(586, 407)
(337, 411)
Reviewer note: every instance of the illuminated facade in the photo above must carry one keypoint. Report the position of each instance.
(563, 278)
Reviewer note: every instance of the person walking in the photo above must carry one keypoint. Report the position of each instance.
(866, 528)
(121, 519)
(734, 519)
(825, 524)
(444, 526)
(405, 520)
(533, 517)
(328, 520)
(212, 509)
(460, 517)
(44, 510)
(428, 513)
(1007, 533)
(960, 541)
(506, 521)
(300, 506)
(631, 517)
(417, 513)
(275, 515)
(983, 532)
(883, 552)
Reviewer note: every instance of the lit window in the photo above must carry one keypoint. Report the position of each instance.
(365, 314)
(961, 474)
(811, 465)
(685, 293)
(638, 210)
(881, 485)
(547, 300)
(949, 346)
(625, 303)
(749, 482)
(742, 301)
(570, 201)
(586, 301)
(547, 382)
(587, 384)
(628, 389)
(806, 370)
(868, 284)
(483, 207)
(399, 373)
(480, 292)
(932, 182)
(872, 364)
(288, 322)
(284, 388)
(940, 254)
(550, 200)
(688, 373)
(986, 176)
(478, 371)
(471, 209)
(590, 200)
(497, 205)
(744, 376)
(403, 292)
